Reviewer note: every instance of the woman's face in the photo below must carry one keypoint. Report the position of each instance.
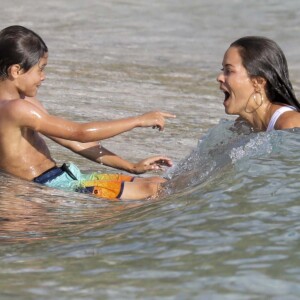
(235, 83)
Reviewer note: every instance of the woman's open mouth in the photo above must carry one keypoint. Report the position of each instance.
(227, 95)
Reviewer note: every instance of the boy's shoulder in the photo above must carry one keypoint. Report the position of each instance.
(6, 105)
(35, 102)
(10, 110)
(16, 107)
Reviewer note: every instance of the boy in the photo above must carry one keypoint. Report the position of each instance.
(23, 152)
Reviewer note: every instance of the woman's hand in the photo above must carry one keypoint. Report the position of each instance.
(154, 163)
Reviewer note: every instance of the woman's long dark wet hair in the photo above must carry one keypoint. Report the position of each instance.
(262, 57)
(19, 45)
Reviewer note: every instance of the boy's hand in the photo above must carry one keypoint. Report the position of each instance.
(154, 163)
(156, 119)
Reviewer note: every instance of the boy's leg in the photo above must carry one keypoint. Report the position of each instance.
(156, 179)
(140, 189)
(118, 186)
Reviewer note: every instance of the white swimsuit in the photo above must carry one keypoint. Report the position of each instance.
(277, 114)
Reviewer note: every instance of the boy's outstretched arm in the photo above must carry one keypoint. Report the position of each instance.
(26, 114)
(97, 153)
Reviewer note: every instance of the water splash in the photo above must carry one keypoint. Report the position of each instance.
(220, 150)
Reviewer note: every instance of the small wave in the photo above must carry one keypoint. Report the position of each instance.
(220, 150)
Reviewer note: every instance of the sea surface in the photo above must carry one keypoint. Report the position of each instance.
(227, 223)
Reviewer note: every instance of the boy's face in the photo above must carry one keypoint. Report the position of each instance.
(30, 81)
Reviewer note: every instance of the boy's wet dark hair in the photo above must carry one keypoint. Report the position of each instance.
(262, 57)
(19, 45)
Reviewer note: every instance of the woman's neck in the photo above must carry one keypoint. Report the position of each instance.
(260, 117)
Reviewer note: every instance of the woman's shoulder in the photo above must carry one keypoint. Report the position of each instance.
(288, 119)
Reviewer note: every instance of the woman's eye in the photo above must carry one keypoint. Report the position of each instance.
(226, 71)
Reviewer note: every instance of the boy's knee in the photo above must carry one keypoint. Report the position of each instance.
(158, 179)
(140, 190)
(154, 179)
(152, 188)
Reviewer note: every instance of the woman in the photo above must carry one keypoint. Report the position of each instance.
(255, 81)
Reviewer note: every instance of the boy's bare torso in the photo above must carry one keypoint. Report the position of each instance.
(23, 152)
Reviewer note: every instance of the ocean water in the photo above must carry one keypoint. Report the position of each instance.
(226, 225)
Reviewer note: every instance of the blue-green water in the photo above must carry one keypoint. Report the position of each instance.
(227, 223)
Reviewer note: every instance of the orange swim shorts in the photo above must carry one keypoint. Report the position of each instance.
(105, 185)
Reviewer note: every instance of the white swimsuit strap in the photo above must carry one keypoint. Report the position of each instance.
(277, 114)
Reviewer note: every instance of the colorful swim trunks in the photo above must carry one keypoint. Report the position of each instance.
(69, 177)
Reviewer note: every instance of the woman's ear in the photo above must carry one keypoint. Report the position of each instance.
(259, 83)
(14, 71)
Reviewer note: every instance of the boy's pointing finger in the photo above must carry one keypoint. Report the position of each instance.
(168, 115)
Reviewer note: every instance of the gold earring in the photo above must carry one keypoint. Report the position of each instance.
(261, 98)
(255, 100)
